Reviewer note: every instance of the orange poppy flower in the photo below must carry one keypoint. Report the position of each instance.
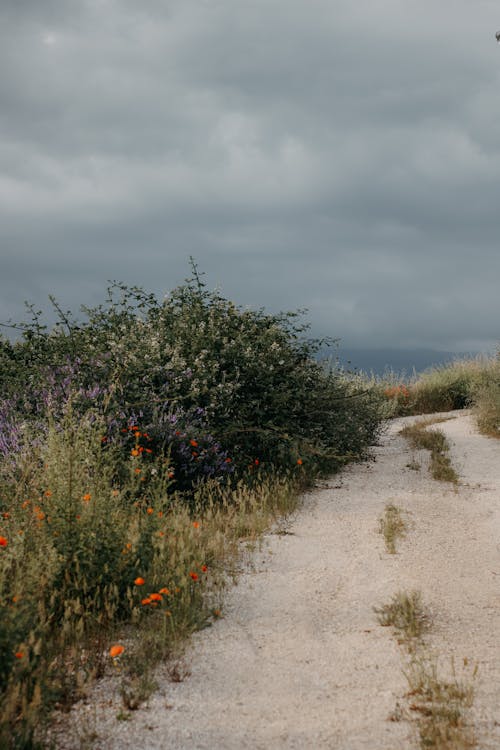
(48, 493)
(164, 591)
(194, 576)
(137, 471)
(19, 654)
(147, 600)
(3, 541)
(150, 511)
(134, 452)
(139, 581)
(87, 497)
(196, 524)
(156, 597)
(116, 650)
(299, 462)
(204, 568)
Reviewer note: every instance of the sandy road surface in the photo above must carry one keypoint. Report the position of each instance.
(299, 661)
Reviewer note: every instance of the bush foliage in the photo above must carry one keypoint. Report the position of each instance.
(465, 383)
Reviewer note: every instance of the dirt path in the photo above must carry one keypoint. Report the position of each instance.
(299, 661)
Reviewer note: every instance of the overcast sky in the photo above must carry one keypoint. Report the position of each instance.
(336, 155)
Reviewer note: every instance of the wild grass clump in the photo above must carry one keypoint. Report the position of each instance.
(487, 402)
(434, 441)
(138, 448)
(392, 527)
(407, 615)
(442, 388)
(437, 706)
(440, 706)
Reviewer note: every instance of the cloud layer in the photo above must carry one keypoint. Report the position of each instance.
(336, 156)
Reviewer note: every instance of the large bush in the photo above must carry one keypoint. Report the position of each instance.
(193, 371)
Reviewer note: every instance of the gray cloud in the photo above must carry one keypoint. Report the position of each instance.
(340, 157)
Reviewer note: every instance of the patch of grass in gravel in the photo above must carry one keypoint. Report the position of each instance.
(440, 705)
(434, 441)
(392, 527)
(436, 706)
(407, 615)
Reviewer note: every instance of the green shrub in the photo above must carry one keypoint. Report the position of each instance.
(443, 388)
(487, 401)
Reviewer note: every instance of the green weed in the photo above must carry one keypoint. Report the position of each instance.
(407, 615)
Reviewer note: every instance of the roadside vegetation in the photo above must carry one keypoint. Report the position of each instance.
(140, 446)
(467, 383)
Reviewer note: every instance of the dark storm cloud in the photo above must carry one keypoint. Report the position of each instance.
(336, 156)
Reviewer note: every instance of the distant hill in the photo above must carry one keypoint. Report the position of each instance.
(399, 361)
